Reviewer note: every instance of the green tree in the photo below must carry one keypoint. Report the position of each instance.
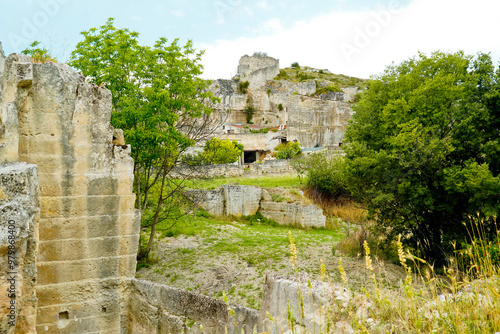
(288, 150)
(423, 148)
(161, 104)
(221, 151)
(38, 54)
(325, 172)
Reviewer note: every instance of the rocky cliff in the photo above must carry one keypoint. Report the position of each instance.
(86, 244)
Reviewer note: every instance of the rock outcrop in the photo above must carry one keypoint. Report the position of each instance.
(239, 200)
(19, 211)
(159, 309)
(88, 233)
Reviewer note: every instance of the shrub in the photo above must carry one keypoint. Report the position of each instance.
(288, 150)
(327, 174)
(37, 54)
(249, 111)
(327, 89)
(280, 107)
(282, 75)
(260, 54)
(295, 65)
(221, 151)
(243, 87)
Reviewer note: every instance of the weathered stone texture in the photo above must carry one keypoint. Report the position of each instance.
(241, 200)
(238, 200)
(231, 170)
(159, 309)
(19, 210)
(210, 200)
(282, 293)
(295, 214)
(88, 227)
(315, 122)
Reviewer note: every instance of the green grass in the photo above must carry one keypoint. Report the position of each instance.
(308, 73)
(272, 181)
(259, 243)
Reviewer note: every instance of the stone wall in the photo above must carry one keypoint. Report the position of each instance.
(159, 309)
(231, 170)
(313, 299)
(19, 210)
(249, 64)
(316, 122)
(88, 230)
(239, 200)
(295, 214)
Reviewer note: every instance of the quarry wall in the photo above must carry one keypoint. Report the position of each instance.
(316, 122)
(231, 170)
(159, 309)
(88, 230)
(239, 200)
(19, 211)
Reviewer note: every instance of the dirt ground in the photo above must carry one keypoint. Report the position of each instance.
(191, 263)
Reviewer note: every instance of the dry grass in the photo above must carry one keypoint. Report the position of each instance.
(459, 302)
(343, 208)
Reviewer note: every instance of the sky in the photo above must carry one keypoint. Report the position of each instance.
(352, 37)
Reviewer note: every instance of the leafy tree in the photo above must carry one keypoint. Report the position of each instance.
(424, 148)
(325, 172)
(38, 54)
(295, 65)
(222, 151)
(288, 150)
(161, 104)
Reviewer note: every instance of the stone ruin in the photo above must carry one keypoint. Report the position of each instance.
(67, 192)
(291, 109)
(239, 200)
(69, 232)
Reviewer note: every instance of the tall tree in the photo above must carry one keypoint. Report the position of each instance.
(159, 101)
(424, 148)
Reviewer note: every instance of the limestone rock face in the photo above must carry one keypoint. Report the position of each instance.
(159, 309)
(229, 200)
(317, 122)
(241, 200)
(88, 236)
(238, 200)
(19, 211)
(293, 213)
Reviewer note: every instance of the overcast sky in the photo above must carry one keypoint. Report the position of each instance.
(352, 37)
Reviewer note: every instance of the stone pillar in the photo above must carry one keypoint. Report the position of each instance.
(88, 228)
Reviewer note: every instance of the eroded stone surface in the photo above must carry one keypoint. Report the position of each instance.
(239, 200)
(159, 309)
(89, 231)
(19, 210)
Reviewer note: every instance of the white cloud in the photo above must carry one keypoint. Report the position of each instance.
(177, 13)
(363, 43)
(263, 4)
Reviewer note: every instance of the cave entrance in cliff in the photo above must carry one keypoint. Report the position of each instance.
(249, 157)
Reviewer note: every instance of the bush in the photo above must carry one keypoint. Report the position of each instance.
(221, 151)
(243, 87)
(327, 89)
(38, 54)
(288, 150)
(327, 174)
(295, 65)
(216, 151)
(260, 54)
(280, 107)
(249, 111)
